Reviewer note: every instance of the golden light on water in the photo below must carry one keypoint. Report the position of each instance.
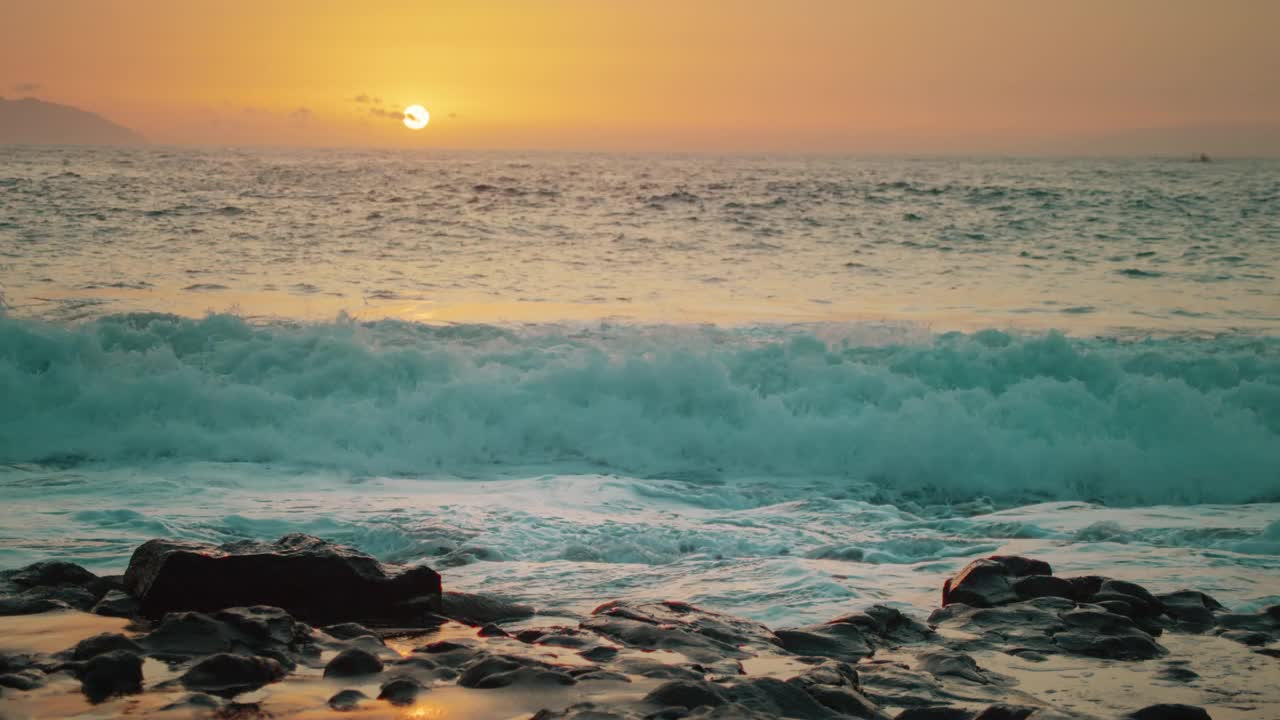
(416, 117)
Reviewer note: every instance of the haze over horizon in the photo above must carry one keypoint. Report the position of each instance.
(987, 77)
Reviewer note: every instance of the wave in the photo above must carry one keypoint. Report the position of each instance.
(950, 417)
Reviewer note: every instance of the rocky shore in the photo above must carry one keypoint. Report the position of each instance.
(305, 628)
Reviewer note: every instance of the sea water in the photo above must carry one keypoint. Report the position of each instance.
(783, 387)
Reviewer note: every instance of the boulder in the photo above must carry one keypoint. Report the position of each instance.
(353, 662)
(687, 694)
(104, 643)
(400, 691)
(310, 578)
(228, 675)
(118, 672)
(989, 582)
(347, 700)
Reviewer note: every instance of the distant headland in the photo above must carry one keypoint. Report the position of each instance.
(35, 122)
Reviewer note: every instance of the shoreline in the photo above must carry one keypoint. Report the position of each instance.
(1110, 649)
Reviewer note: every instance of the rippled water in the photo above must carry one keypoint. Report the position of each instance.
(781, 387)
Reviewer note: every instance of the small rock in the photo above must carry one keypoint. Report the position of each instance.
(935, 713)
(347, 631)
(118, 672)
(836, 640)
(688, 694)
(353, 662)
(1033, 586)
(1169, 711)
(348, 700)
(116, 604)
(400, 691)
(1177, 673)
(476, 609)
(50, 573)
(989, 582)
(1004, 712)
(600, 653)
(492, 630)
(229, 675)
(24, 680)
(104, 643)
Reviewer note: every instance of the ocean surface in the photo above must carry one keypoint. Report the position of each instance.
(782, 387)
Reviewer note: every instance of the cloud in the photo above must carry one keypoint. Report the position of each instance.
(361, 98)
(389, 114)
(301, 115)
(27, 87)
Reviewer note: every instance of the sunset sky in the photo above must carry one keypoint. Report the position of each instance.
(809, 75)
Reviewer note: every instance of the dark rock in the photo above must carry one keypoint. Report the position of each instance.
(1177, 673)
(495, 671)
(772, 697)
(116, 604)
(888, 627)
(1136, 645)
(229, 675)
(492, 630)
(1190, 608)
(935, 713)
(51, 573)
(989, 582)
(118, 672)
(23, 680)
(1001, 711)
(835, 674)
(1086, 586)
(845, 702)
(701, 635)
(1169, 712)
(400, 691)
(348, 700)
(955, 664)
(1034, 586)
(308, 577)
(199, 702)
(348, 631)
(600, 653)
(104, 643)
(1247, 637)
(70, 596)
(474, 609)
(839, 641)
(444, 646)
(688, 694)
(353, 662)
(259, 630)
(1133, 593)
(27, 605)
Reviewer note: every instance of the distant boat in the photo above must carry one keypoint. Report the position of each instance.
(1203, 158)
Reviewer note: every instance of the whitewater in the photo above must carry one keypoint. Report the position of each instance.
(780, 387)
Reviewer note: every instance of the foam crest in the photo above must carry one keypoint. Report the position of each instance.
(949, 417)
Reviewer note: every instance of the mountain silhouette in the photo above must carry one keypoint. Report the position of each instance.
(35, 122)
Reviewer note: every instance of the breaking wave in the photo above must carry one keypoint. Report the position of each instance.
(948, 417)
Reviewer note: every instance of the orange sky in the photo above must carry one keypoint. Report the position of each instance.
(679, 75)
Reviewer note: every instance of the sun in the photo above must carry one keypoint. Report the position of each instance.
(416, 117)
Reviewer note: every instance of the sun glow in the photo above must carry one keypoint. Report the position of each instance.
(416, 117)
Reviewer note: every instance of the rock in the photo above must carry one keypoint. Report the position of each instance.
(77, 598)
(688, 694)
(400, 691)
(989, 582)
(259, 630)
(309, 578)
(492, 630)
(1169, 712)
(51, 573)
(888, 627)
(845, 702)
(701, 635)
(935, 713)
(955, 664)
(1247, 637)
(348, 631)
(27, 605)
(116, 604)
(599, 653)
(495, 671)
(228, 675)
(104, 643)
(1176, 673)
(1135, 646)
(839, 641)
(771, 697)
(1133, 593)
(353, 662)
(1034, 586)
(197, 702)
(23, 680)
(118, 672)
(1001, 711)
(1190, 608)
(475, 609)
(347, 700)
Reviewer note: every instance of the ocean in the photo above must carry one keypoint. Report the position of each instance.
(779, 387)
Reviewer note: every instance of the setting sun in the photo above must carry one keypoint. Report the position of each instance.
(416, 117)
